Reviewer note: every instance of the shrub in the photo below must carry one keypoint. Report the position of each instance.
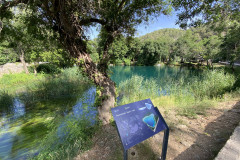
(136, 88)
(213, 84)
(127, 62)
(48, 68)
(118, 62)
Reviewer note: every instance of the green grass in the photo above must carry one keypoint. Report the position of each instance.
(136, 89)
(30, 88)
(74, 136)
(17, 81)
(189, 97)
(65, 85)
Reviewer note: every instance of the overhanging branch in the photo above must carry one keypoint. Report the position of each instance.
(92, 20)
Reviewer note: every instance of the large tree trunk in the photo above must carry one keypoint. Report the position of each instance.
(71, 32)
(105, 86)
(23, 61)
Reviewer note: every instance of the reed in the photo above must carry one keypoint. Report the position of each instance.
(190, 97)
(67, 84)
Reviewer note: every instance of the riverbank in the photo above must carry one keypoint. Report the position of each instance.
(46, 115)
(201, 114)
(185, 97)
(199, 138)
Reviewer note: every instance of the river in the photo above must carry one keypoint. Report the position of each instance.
(22, 127)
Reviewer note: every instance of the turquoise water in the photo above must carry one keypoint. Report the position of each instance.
(24, 126)
(161, 73)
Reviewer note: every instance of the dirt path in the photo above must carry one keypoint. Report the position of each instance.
(190, 139)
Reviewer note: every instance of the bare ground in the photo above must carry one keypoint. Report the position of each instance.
(190, 139)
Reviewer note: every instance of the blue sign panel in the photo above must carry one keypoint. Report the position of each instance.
(137, 122)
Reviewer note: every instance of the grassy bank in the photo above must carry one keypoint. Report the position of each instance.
(18, 81)
(69, 83)
(69, 135)
(188, 97)
(48, 101)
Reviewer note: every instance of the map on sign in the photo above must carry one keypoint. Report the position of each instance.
(137, 122)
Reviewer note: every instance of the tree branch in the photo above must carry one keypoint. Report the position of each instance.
(121, 5)
(92, 20)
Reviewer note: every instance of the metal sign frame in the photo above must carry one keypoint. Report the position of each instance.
(134, 107)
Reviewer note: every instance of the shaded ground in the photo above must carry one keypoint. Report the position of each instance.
(190, 139)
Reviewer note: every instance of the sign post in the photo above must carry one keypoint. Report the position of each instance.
(137, 122)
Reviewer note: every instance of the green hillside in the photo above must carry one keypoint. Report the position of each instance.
(172, 33)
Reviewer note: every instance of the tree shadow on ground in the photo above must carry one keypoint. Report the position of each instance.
(214, 137)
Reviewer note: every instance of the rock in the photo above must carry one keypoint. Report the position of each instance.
(231, 150)
(181, 126)
(11, 68)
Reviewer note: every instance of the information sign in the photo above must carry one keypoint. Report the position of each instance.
(139, 121)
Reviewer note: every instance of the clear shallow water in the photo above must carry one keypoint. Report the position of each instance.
(23, 126)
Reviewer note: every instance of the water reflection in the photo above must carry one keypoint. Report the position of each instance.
(84, 106)
(18, 108)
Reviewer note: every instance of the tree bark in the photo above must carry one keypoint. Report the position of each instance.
(23, 61)
(105, 86)
(35, 68)
(71, 31)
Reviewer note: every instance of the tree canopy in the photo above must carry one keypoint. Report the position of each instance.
(70, 22)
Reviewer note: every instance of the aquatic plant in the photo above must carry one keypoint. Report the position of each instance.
(190, 96)
(137, 88)
(64, 142)
(69, 83)
(213, 84)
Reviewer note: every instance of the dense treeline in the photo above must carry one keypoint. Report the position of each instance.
(24, 42)
(174, 45)
(166, 45)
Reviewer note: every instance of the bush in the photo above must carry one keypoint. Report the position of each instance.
(48, 68)
(213, 84)
(136, 89)
(118, 62)
(127, 62)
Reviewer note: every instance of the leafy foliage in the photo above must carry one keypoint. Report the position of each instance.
(231, 44)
